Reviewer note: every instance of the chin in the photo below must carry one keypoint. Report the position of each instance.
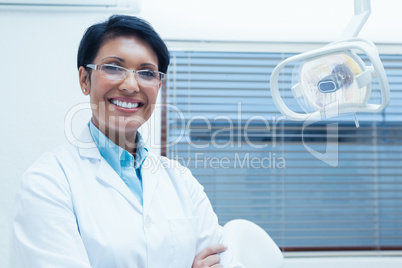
(134, 121)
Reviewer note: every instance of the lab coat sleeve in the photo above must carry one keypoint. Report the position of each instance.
(209, 230)
(45, 227)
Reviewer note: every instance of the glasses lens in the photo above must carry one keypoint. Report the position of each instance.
(113, 72)
(148, 77)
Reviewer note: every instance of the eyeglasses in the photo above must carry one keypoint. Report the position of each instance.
(114, 72)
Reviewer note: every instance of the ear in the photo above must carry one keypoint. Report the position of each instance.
(84, 80)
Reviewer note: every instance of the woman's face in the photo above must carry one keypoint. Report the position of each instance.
(105, 95)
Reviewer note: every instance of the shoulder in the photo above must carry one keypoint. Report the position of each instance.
(52, 165)
(56, 157)
(44, 178)
(47, 161)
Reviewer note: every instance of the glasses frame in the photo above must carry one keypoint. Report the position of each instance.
(98, 67)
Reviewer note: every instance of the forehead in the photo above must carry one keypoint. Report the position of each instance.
(129, 48)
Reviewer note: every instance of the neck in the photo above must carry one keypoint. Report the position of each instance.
(124, 140)
(122, 137)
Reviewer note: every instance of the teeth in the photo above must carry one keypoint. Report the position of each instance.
(128, 105)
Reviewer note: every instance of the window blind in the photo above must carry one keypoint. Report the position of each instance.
(220, 121)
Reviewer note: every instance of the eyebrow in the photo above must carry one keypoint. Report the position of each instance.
(147, 64)
(122, 60)
(116, 58)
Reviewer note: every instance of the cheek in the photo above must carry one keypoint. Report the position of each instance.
(99, 106)
(153, 95)
(98, 92)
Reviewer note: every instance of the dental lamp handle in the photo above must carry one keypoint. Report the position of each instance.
(362, 12)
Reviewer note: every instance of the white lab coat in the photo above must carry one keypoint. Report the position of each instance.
(73, 210)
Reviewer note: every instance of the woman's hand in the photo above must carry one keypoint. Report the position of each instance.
(209, 257)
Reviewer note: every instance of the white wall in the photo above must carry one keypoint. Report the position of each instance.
(269, 20)
(39, 82)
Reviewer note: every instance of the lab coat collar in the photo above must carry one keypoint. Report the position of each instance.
(86, 145)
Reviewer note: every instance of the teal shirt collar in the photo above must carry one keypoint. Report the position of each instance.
(116, 156)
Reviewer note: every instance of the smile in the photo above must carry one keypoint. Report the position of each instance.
(123, 104)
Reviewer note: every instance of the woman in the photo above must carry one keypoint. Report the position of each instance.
(114, 204)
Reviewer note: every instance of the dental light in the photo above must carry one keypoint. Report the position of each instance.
(334, 80)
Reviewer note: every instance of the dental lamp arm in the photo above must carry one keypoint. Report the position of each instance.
(362, 12)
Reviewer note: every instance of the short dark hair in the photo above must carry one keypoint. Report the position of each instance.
(120, 25)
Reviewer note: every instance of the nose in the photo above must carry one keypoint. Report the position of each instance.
(130, 83)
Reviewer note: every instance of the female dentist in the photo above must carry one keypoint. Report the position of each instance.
(113, 203)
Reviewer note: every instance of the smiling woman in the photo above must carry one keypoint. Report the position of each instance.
(114, 204)
(121, 102)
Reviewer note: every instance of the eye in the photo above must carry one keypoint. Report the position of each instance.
(148, 74)
(111, 68)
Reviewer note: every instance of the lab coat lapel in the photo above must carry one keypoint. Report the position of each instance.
(151, 175)
(105, 173)
(86, 145)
